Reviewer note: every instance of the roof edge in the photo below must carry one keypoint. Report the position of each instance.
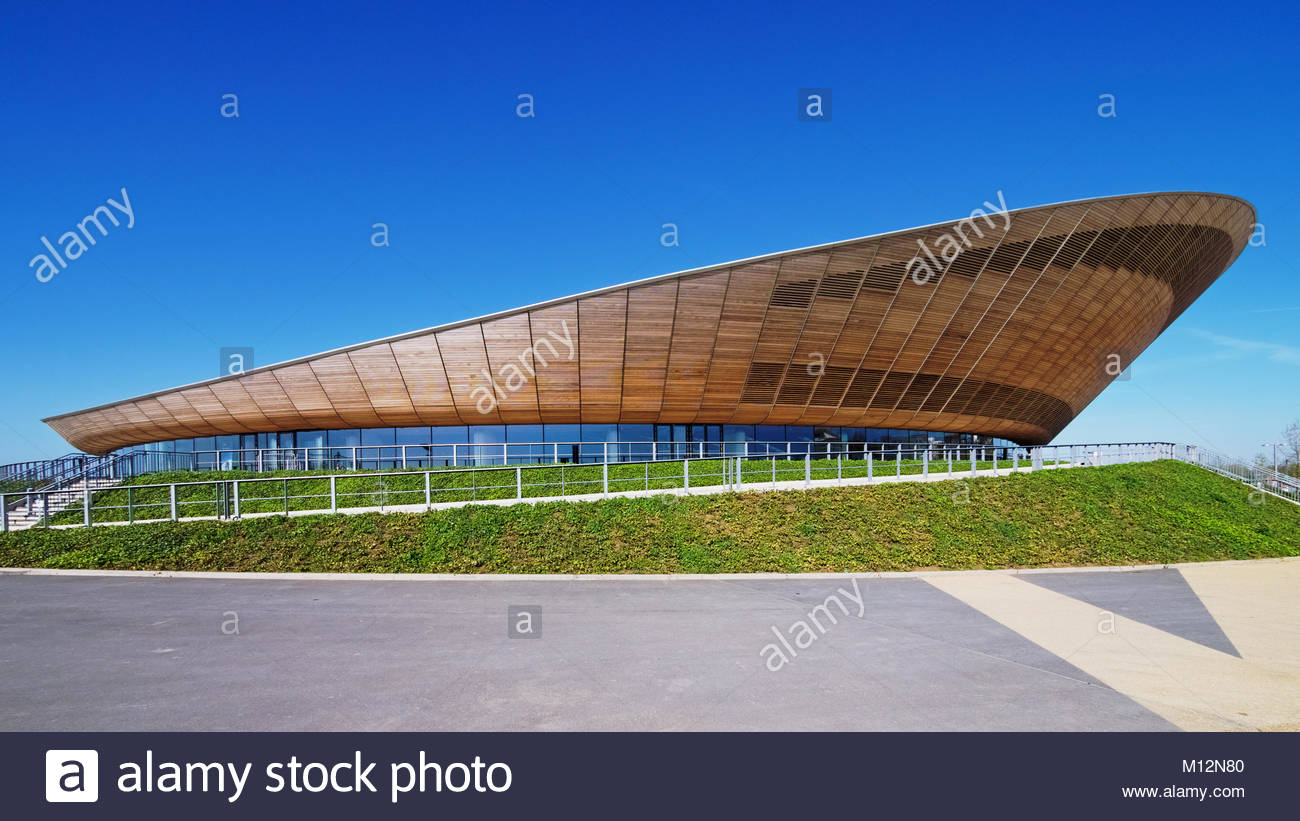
(620, 286)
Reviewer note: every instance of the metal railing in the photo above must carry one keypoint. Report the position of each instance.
(1260, 477)
(60, 488)
(37, 473)
(413, 490)
(403, 457)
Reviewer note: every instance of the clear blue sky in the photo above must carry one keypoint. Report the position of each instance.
(255, 231)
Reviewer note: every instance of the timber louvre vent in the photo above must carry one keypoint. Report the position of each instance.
(832, 385)
(794, 294)
(864, 385)
(760, 385)
(886, 278)
(970, 262)
(797, 387)
(841, 286)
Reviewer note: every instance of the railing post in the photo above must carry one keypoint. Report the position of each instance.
(1015, 460)
(807, 470)
(925, 464)
(403, 457)
(334, 495)
(686, 474)
(973, 463)
(428, 498)
(839, 469)
(519, 482)
(235, 491)
(85, 504)
(607, 453)
(4, 514)
(130, 505)
(647, 475)
(773, 471)
(654, 451)
(870, 475)
(604, 477)
(899, 464)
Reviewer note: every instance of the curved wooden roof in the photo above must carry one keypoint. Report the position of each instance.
(1010, 338)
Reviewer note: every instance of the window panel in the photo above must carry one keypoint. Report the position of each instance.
(378, 436)
(562, 433)
(343, 438)
(451, 435)
(524, 433)
(600, 433)
(487, 434)
(636, 433)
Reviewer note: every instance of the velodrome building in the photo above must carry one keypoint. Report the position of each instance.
(998, 327)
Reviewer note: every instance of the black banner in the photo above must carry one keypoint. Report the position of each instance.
(499, 775)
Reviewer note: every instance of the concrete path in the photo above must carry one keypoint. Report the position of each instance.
(1214, 646)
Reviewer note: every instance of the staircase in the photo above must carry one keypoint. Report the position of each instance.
(32, 509)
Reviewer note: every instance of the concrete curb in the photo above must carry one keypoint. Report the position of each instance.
(557, 577)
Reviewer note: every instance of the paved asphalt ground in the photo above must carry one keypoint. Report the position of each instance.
(1210, 647)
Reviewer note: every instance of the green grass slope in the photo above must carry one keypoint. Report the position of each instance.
(1128, 514)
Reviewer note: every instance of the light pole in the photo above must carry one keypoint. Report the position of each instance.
(1275, 446)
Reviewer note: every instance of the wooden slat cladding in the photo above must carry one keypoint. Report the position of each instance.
(603, 324)
(1004, 332)
(338, 378)
(420, 362)
(509, 344)
(555, 350)
(650, 313)
(738, 326)
(382, 381)
(304, 390)
(783, 324)
(695, 326)
(464, 356)
(275, 404)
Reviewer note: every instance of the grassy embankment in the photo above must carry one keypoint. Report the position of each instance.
(1128, 514)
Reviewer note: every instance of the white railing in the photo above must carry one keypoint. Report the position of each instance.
(413, 490)
(1260, 477)
(403, 457)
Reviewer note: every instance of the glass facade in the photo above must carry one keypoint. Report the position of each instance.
(458, 445)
